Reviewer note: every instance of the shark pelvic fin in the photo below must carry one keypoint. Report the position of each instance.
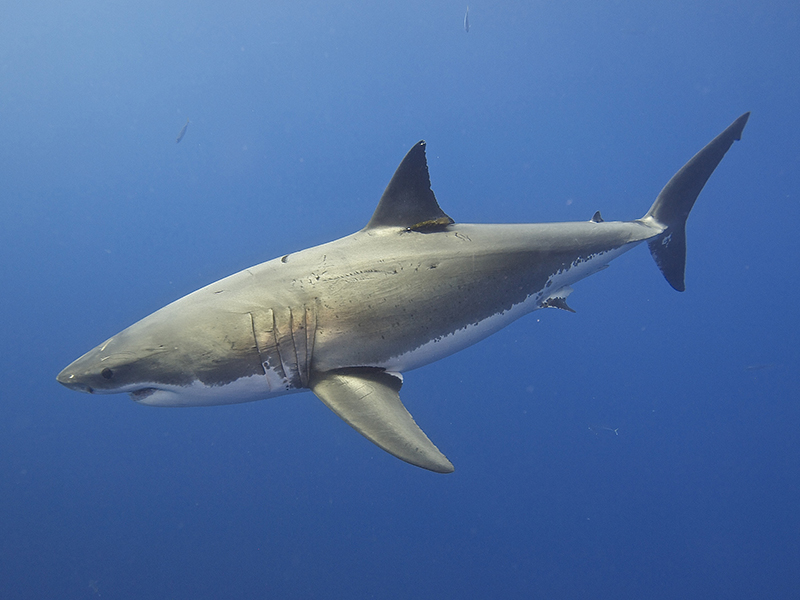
(408, 200)
(369, 401)
(557, 303)
(558, 299)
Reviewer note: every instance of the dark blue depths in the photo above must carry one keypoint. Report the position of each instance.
(645, 446)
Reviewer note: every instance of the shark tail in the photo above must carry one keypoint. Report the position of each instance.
(672, 206)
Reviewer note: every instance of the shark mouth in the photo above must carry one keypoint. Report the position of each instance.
(139, 395)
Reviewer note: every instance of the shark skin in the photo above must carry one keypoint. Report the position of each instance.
(345, 319)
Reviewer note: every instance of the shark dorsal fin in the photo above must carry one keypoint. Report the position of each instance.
(408, 200)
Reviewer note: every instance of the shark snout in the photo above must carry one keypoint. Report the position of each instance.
(68, 379)
(90, 374)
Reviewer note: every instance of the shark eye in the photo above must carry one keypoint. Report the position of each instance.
(107, 373)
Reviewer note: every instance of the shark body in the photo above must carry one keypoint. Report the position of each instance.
(345, 319)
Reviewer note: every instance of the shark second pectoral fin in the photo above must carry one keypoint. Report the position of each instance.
(369, 401)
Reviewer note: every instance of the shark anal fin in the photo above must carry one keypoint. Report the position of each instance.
(369, 401)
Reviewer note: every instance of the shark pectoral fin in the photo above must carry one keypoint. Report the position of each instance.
(369, 401)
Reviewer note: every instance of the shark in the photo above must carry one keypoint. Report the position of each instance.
(182, 132)
(346, 319)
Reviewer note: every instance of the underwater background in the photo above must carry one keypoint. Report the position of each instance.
(646, 446)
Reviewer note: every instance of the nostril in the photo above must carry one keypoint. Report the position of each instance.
(107, 373)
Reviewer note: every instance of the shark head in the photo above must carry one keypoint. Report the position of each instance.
(118, 365)
(164, 360)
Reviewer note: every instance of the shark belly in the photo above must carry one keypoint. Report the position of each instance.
(557, 285)
(397, 311)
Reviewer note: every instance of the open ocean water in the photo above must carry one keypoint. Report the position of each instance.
(647, 446)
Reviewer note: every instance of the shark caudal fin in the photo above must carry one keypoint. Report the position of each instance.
(673, 204)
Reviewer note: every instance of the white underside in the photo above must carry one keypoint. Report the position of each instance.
(259, 387)
(558, 286)
(244, 389)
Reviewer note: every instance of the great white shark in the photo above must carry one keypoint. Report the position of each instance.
(345, 319)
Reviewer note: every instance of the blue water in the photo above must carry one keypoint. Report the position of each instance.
(300, 112)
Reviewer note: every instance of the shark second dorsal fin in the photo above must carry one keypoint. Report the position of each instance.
(408, 200)
(369, 401)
